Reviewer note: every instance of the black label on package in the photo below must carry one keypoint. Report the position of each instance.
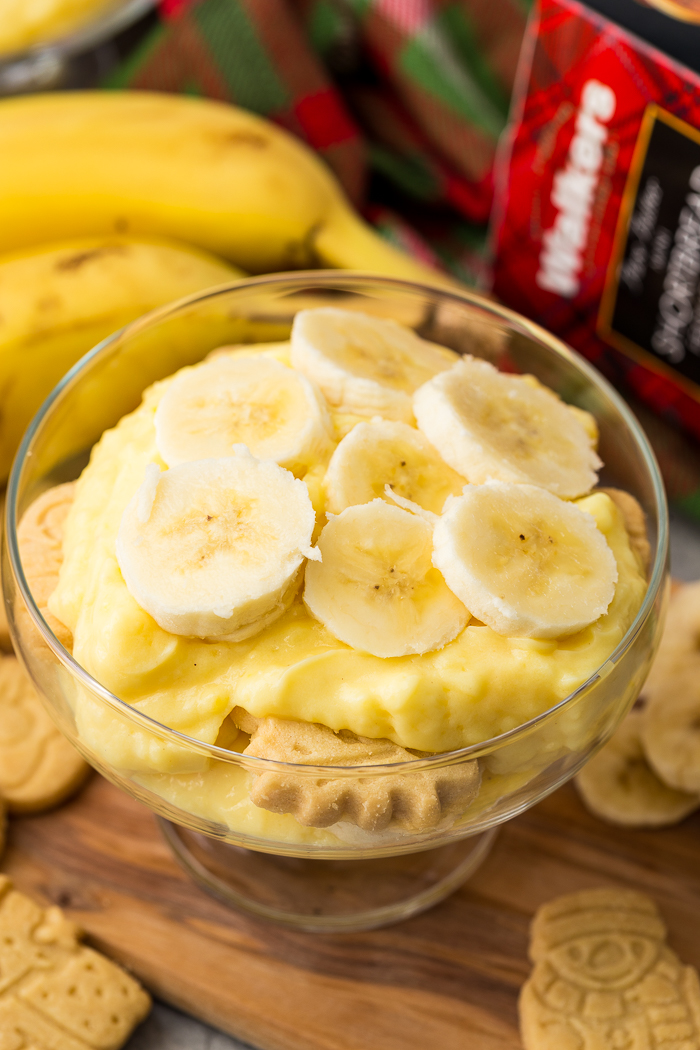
(655, 307)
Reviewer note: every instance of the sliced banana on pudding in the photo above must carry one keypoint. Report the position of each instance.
(385, 452)
(523, 561)
(376, 588)
(205, 550)
(243, 400)
(491, 425)
(365, 365)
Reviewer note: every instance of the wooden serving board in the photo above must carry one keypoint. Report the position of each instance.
(447, 979)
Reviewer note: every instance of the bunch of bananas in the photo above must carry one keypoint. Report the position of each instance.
(113, 203)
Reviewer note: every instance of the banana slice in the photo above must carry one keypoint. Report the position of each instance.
(587, 421)
(381, 453)
(243, 400)
(671, 730)
(523, 561)
(204, 549)
(619, 785)
(490, 425)
(365, 365)
(375, 588)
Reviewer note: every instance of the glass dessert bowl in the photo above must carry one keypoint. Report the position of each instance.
(369, 786)
(38, 57)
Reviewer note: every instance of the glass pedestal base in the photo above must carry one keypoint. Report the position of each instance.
(326, 896)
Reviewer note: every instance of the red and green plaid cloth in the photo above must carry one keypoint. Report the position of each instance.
(405, 100)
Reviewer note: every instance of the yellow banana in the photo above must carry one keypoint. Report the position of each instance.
(58, 301)
(203, 172)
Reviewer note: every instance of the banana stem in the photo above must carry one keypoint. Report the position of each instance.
(345, 242)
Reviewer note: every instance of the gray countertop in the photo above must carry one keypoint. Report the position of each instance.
(167, 1029)
(685, 547)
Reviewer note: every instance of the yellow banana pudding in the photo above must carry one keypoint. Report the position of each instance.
(238, 557)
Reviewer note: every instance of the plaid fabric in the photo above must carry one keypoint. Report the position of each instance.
(412, 94)
(253, 53)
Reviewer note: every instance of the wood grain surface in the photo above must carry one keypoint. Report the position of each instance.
(447, 979)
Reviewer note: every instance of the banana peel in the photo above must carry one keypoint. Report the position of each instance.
(59, 301)
(196, 170)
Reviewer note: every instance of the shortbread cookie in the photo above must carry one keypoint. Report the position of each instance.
(40, 538)
(56, 994)
(635, 524)
(5, 642)
(3, 826)
(38, 767)
(671, 726)
(411, 801)
(604, 978)
(619, 785)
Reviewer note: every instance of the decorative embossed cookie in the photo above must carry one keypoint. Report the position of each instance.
(3, 826)
(56, 994)
(635, 524)
(604, 978)
(5, 642)
(671, 726)
(40, 538)
(619, 785)
(38, 767)
(416, 801)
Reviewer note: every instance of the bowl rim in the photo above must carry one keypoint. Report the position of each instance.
(320, 278)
